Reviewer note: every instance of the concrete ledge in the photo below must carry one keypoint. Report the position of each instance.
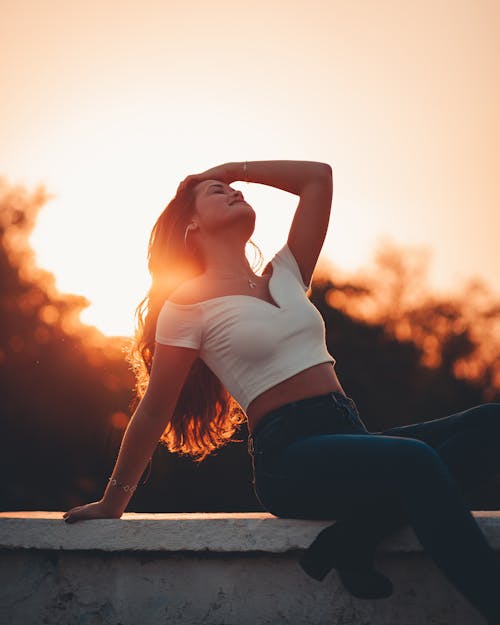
(206, 568)
(219, 532)
(191, 531)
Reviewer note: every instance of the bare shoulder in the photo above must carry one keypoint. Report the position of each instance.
(189, 292)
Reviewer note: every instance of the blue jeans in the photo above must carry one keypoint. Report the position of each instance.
(315, 459)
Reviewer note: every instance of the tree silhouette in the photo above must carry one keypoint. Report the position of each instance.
(61, 381)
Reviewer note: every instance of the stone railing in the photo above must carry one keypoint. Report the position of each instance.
(207, 569)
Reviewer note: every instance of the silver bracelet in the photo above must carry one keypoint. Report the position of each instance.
(126, 487)
(245, 172)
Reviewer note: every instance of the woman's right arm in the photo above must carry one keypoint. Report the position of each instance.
(169, 370)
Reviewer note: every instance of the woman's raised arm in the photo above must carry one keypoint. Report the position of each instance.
(291, 176)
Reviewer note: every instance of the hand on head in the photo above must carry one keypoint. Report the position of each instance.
(224, 173)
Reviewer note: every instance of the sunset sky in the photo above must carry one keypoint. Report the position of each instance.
(111, 104)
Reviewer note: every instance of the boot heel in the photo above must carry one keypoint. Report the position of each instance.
(314, 569)
(358, 576)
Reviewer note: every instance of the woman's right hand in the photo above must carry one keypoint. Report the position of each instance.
(95, 510)
(228, 173)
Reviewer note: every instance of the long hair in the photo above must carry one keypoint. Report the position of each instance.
(206, 414)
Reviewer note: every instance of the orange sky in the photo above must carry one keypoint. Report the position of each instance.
(112, 104)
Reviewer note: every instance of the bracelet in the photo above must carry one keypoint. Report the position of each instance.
(245, 178)
(127, 487)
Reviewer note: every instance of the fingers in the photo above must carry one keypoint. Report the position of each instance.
(220, 172)
(94, 510)
(72, 515)
(185, 182)
(189, 179)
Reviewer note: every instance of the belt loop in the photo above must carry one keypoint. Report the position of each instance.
(334, 398)
(252, 449)
(340, 406)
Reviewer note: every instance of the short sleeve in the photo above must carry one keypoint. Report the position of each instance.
(285, 256)
(179, 325)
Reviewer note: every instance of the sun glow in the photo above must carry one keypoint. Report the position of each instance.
(110, 108)
(93, 234)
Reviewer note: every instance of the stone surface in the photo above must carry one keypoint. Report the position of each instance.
(210, 569)
(218, 531)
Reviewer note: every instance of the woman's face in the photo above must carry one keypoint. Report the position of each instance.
(218, 206)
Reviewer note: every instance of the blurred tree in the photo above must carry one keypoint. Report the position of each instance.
(60, 380)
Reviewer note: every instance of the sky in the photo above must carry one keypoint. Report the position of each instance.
(111, 104)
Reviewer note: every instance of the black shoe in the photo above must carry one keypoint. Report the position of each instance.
(354, 565)
(366, 583)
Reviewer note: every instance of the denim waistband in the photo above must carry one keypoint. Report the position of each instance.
(283, 415)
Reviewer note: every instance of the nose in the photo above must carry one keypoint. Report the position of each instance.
(237, 196)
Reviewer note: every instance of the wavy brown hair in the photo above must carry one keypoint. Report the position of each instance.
(206, 414)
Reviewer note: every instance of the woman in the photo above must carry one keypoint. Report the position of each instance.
(219, 344)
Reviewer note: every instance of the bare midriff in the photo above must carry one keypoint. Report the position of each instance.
(317, 380)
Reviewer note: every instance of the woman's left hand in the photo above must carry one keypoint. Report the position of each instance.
(225, 173)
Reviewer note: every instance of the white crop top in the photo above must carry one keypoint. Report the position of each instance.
(248, 343)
